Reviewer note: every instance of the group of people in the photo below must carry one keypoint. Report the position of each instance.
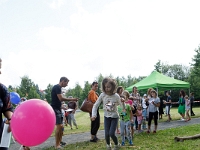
(185, 105)
(125, 108)
(121, 108)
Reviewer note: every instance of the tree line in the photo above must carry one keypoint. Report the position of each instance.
(190, 73)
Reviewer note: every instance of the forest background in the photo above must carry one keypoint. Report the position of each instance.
(191, 73)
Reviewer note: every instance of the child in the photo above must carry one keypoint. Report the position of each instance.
(134, 116)
(139, 117)
(126, 117)
(144, 111)
(187, 108)
(110, 100)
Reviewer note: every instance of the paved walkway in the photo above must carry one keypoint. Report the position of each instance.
(81, 137)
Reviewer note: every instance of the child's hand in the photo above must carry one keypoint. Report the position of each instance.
(131, 120)
(93, 118)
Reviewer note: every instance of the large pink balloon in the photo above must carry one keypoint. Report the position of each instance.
(33, 122)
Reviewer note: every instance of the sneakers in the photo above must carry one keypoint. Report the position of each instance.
(140, 131)
(93, 140)
(154, 131)
(96, 138)
(148, 131)
(123, 144)
(130, 143)
(109, 147)
(62, 143)
(117, 147)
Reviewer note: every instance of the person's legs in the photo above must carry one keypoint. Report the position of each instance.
(70, 120)
(74, 120)
(155, 116)
(149, 121)
(112, 130)
(191, 110)
(58, 130)
(122, 131)
(136, 123)
(144, 114)
(58, 135)
(95, 127)
(107, 126)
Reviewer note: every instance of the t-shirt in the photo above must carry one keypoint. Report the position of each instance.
(152, 107)
(55, 102)
(92, 96)
(124, 116)
(192, 99)
(110, 103)
(144, 106)
(168, 99)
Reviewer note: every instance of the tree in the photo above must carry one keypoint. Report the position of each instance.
(158, 66)
(196, 62)
(194, 77)
(48, 93)
(176, 71)
(27, 88)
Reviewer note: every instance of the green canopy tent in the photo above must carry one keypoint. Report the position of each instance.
(159, 81)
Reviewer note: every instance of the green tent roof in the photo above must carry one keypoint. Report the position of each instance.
(158, 80)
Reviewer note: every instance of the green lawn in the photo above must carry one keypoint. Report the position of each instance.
(162, 140)
(83, 120)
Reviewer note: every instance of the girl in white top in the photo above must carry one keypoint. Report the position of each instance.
(110, 101)
(187, 108)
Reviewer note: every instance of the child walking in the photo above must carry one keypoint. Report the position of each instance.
(187, 108)
(110, 100)
(144, 111)
(126, 117)
(139, 117)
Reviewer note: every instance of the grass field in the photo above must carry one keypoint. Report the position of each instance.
(162, 140)
(83, 120)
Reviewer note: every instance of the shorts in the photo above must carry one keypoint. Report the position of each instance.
(59, 116)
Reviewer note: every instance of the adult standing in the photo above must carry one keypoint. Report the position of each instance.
(95, 124)
(5, 107)
(154, 103)
(147, 101)
(57, 98)
(181, 107)
(191, 103)
(71, 117)
(136, 102)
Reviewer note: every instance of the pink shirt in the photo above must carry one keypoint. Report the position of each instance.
(130, 102)
(139, 116)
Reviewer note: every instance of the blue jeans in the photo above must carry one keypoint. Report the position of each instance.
(110, 125)
(125, 127)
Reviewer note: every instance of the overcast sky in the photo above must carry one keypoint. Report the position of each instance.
(79, 39)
